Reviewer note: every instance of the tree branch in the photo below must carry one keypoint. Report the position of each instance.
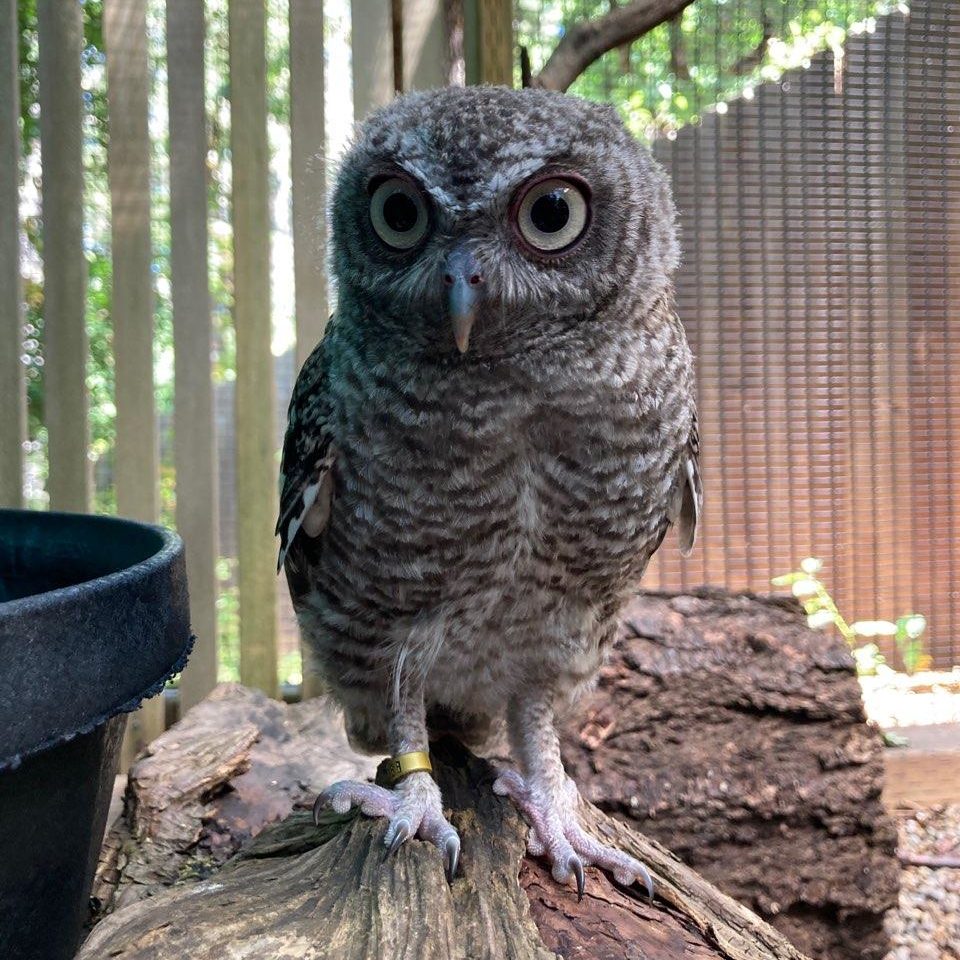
(588, 40)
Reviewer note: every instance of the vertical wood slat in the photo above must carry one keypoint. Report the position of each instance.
(256, 460)
(195, 449)
(128, 167)
(12, 395)
(488, 41)
(372, 48)
(308, 189)
(308, 173)
(426, 52)
(128, 162)
(60, 32)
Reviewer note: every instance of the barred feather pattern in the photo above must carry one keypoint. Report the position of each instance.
(488, 519)
(491, 511)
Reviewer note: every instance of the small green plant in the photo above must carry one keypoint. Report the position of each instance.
(822, 611)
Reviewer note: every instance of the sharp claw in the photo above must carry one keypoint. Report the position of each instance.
(318, 806)
(576, 865)
(451, 857)
(402, 834)
(647, 881)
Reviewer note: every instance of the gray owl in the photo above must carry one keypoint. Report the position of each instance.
(489, 443)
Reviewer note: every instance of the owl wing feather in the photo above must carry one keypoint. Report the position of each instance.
(690, 492)
(306, 479)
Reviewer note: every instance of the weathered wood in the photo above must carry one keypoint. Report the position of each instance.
(257, 463)
(371, 41)
(308, 187)
(128, 158)
(298, 891)
(725, 727)
(488, 41)
(235, 763)
(195, 446)
(308, 173)
(60, 32)
(426, 52)
(12, 391)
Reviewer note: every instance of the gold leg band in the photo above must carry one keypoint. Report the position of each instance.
(394, 769)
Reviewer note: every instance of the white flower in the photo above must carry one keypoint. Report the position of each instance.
(874, 628)
(822, 618)
(811, 565)
(915, 626)
(804, 588)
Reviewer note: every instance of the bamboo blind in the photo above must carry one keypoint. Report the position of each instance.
(821, 292)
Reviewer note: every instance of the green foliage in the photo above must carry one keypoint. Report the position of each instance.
(716, 51)
(228, 621)
(822, 611)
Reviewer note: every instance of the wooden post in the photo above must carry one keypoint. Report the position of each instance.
(426, 52)
(488, 41)
(125, 36)
(195, 446)
(257, 463)
(60, 32)
(372, 44)
(12, 395)
(136, 466)
(309, 189)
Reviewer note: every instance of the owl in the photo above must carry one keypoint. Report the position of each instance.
(489, 443)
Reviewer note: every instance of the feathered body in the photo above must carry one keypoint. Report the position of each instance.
(474, 520)
(488, 516)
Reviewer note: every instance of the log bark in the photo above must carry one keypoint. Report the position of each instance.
(726, 729)
(300, 892)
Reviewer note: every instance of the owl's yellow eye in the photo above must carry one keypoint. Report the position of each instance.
(552, 214)
(398, 213)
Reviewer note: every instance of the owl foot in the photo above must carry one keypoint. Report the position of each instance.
(555, 832)
(413, 808)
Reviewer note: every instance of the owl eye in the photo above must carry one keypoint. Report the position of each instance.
(553, 214)
(398, 213)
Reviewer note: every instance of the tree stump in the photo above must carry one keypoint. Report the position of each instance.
(298, 892)
(728, 730)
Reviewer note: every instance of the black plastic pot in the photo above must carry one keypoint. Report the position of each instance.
(94, 618)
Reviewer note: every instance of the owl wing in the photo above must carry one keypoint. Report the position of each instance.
(690, 494)
(306, 479)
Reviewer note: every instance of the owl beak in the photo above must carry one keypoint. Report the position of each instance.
(463, 279)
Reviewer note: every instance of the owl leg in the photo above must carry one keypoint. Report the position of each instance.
(413, 807)
(548, 799)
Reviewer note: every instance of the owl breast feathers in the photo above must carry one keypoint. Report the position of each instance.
(499, 426)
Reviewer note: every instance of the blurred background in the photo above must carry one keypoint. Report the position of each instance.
(164, 168)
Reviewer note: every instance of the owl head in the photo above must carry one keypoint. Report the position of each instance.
(482, 219)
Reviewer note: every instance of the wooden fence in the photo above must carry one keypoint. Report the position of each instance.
(389, 53)
(821, 292)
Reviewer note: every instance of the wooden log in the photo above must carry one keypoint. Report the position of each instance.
(298, 891)
(726, 728)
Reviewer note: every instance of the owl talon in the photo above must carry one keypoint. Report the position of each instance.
(576, 865)
(401, 833)
(413, 809)
(451, 856)
(555, 832)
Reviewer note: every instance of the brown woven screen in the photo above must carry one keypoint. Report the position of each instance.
(821, 292)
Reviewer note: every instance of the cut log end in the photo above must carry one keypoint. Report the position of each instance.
(302, 892)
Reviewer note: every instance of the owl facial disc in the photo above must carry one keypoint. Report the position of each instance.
(463, 279)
